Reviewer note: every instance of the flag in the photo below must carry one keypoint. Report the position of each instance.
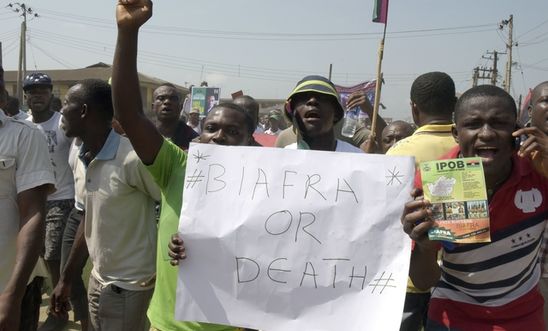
(380, 12)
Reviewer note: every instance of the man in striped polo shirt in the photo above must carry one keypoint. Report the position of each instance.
(491, 286)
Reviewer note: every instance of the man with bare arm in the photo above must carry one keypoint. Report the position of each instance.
(225, 124)
(26, 177)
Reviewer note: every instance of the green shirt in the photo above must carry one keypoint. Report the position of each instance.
(168, 170)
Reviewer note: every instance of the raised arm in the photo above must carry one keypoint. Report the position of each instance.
(126, 94)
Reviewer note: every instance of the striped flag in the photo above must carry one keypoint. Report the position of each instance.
(380, 13)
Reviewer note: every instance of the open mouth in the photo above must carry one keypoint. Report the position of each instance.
(312, 114)
(486, 153)
(167, 112)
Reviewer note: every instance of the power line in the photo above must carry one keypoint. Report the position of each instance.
(526, 44)
(534, 67)
(521, 69)
(196, 64)
(532, 29)
(269, 36)
(48, 55)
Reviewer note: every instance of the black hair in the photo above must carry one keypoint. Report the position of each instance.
(248, 119)
(97, 94)
(434, 93)
(249, 105)
(12, 104)
(404, 124)
(167, 84)
(484, 91)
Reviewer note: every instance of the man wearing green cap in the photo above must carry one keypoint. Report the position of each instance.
(274, 119)
(314, 108)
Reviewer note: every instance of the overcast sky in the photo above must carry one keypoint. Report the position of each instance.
(264, 47)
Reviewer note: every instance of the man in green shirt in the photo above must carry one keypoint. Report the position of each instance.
(226, 124)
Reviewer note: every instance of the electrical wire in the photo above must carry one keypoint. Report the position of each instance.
(266, 36)
(532, 29)
(521, 69)
(49, 55)
(195, 64)
(231, 69)
(32, 53)
(10, 47)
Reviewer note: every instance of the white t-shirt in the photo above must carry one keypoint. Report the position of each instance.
(342, 146)
(24, 164)
(21, 115)
(59, 149)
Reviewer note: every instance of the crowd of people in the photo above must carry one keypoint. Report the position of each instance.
(87, 182)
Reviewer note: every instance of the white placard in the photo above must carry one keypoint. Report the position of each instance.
(282, 239)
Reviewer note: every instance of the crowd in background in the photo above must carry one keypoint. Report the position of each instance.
(96, 179)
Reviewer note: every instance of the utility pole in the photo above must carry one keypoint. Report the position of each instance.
(475, 77)
(485, 74)
(330, 70)
(509, 45)
(494, 72)
(21, 72)
(493, 56)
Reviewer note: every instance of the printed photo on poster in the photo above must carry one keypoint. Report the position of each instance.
(205, 98)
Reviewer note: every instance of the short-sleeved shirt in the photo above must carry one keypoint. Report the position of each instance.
(24, 164)
(120, 220)
(168, 170)
(495, 284)
(58, 148)
(427, 143)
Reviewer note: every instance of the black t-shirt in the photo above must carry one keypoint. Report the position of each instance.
(183, 135)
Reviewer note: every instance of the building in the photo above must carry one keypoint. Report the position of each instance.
(66, 78)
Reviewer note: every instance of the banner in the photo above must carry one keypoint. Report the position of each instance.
(345, 91)
(312, 241)
(205, 98)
